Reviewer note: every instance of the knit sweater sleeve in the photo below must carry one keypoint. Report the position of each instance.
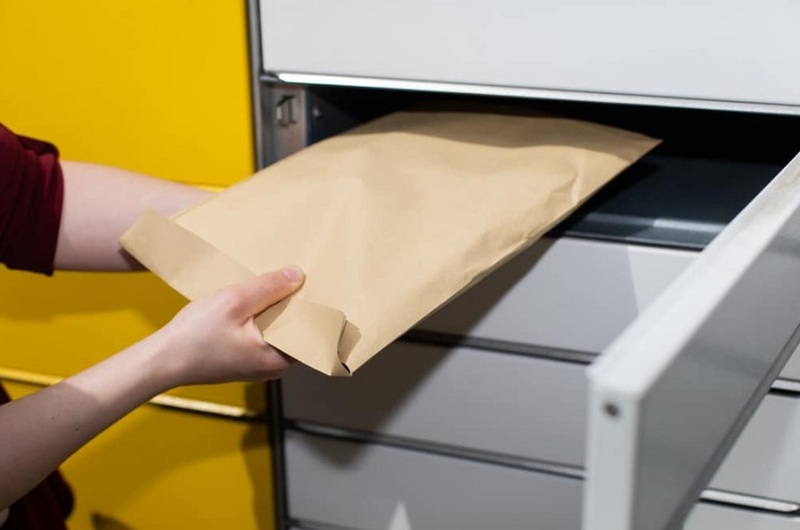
(31, 197)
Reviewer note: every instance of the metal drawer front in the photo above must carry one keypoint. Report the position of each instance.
(669, 396)
(706, 517)
(507, 404)
(765, 460)
(369, 487)
(525, 407)
(792, 368)
(564, 293)
(567, 293)
(712, 53)
(335, 483)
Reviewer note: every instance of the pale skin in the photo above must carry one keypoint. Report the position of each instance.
(211, 340)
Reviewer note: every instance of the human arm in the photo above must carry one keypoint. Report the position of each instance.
(101, 203)
(211, 340)
(71, 214)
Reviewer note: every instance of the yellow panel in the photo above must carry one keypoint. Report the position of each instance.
(159, 469)
(157, 87)
(160, 87)
(60, 325)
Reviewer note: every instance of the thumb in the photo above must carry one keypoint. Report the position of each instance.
(257, 294)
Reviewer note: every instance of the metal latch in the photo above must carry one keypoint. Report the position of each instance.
(285, 113)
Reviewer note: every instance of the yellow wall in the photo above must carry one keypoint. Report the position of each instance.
(150, 85)
(160, 87)
(161, 468)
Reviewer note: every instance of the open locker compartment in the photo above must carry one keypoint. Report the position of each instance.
(714, 340)
(682, 194)
(670, 396)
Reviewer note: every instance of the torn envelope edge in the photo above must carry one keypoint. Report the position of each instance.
(304, 330)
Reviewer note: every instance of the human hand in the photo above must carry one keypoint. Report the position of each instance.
(214, 339)
(211, 340)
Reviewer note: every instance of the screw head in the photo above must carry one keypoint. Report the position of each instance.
(611, 409)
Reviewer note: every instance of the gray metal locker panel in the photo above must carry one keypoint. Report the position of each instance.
(792, 368)
(726, 52)
(565, 293)
(367, 486)
(509, 404)
(520, 406)
(373, 487)
(708, 517)
(766, 458)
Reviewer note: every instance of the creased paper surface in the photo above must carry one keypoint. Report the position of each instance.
(389, 221)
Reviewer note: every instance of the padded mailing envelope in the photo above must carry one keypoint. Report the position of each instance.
(389, 221)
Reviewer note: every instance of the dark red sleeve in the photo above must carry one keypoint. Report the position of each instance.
(31, 196)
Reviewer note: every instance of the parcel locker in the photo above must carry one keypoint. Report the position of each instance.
(628, 354)
(385, 486)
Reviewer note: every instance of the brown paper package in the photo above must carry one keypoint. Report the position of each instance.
(390, 221)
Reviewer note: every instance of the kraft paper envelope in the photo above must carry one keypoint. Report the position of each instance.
(389, 221)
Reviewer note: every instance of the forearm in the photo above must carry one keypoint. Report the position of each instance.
(40, 431)
(101, 203)
(211, 340)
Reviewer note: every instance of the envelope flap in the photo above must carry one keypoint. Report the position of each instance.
(195, 268)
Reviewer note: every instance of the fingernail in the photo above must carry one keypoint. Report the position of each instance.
(293, 274)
